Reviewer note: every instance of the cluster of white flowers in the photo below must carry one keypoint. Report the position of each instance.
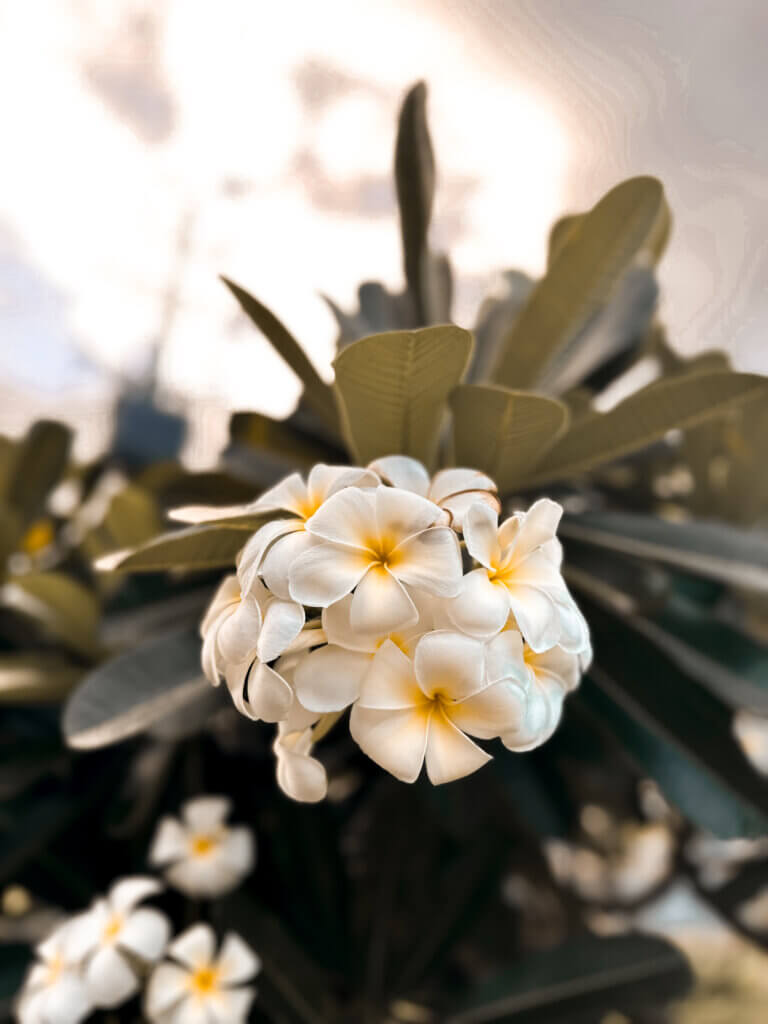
(102, 957)
(425, 654)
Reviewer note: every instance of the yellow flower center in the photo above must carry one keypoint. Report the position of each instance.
(38, 536)
(112, 928)
(204, 981)
(382, 551)
(203, 844)
(55, 967)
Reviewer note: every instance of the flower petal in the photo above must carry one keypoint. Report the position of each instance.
(481, 534)
(326, 573)
(403, 472)
(538, 526)
(109, 980)
(390, 683)
(125, 894)
(329, 678)
(450, 482)
(537, 616)
(283, 621)
(260, 693)
(169, 842)
(280, 557)
(167, 985)
(203, 877)
(237, 850)
(251, 558)
(558, 666)
(231, 1006)
(347, 517)
(237, 961)
(145, 933)
(459, 504)
(206, 813)
(325, 480)
(430, 560)
(493, 711)
(450, 755)
(504, 658)
(395, 740)
(289, 494)
(545, 703)
(195, 947)
(227, 595)
(481, 607)
(300, 776)
(399, 514)
(196, 514)
(380, 603)
(339, 630)
(450, 665)
(67, 1002)
(238, 634)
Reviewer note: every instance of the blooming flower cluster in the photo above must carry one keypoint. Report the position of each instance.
(354, 595)
(104, 956)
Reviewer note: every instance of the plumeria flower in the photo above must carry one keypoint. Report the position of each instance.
(299, 775)
(421, 710)
(377, 543)
(243, 630)
(54, 990)
(273, 548)
(329, 678)
(553, 674)
(519, 573)
(116, 939)
(202, 855)
(452, 489)
(199, 987)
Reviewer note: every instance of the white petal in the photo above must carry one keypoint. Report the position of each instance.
(188, 1011)
(541, 719)
(390, 683)
(450, 755)
(68, 1001)
(203, 877)
(290, 494)
(125, 894)
(449, 664)
(326, 573)
(459, 504)
(326, 480)
(109, 980)
(481, 607)
(449, 482)
(85, 930)
(280, 557)
(404, 472)
(553, 549)
(210, 659)
(145, 933)
(380, 603)
(169, 842)
(283, 621)
(481, 534)
(574, 631)
(54, 945)
(227, 594)
(399, 514)
(347, 517)
(232, 1007)
(537, 616)
(195, 947)
(538, 526)
(329, 679)
(238, 850)
(504, 658)
(237, 961)
(495, 710)
(238, 634)
(430, 560)
(299, 718)
(340, 631)
(206, 813)
(300, 776)
(260, 693)
(167, 985)
(557, 665)
(252, 556)
(395, 740)
(196, 514)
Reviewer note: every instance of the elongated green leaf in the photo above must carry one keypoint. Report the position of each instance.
(38, 464)
(595, 254)
(716, 551)
(64, 607)
(504, 433)
(676, 731)
(279, 438)
(645, 416)
(318, 394)
(36, 677)
(198, 547)
(134, 690)
(415, 182)
(586, 976)
(393, 389)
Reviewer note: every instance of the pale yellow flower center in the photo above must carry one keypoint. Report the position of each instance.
(204, 980)
(204, 843)
(382, 551)
(112, 928)
(55, 967)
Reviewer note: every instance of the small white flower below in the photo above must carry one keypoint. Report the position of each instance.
(54, 990)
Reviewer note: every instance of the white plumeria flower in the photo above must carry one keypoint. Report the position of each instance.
(375, 543)
(299, 775)
(54, 990)
(329, 678)
(203, 856)
(116, 939)
(452, 489)
(200, 987)
(553, 674)
(242, 631)
(416, 711)
(520, 572)
(272, 549)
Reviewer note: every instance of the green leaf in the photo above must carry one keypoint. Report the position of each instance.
(318, 394)
(504, 433)
(583, 979)
(63, 607)
(133, 516)
(39, 462)
(278, 438)
(415, 183)
(646, 416)
(593, 257)
(195, 548)
(716, 551)
(133, 691)
(393, 389)
(36, 677)
(676, 731)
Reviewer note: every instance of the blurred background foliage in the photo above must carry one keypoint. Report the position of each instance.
(536, 890)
